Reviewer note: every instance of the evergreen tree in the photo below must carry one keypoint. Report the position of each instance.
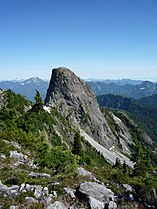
(38, 99)
(77, 147)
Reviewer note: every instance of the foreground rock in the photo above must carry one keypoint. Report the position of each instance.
(37, 175)
(9, 191)
(95, 203)
(82, 172)
(70, 191)
(18, 156)
(96, 194)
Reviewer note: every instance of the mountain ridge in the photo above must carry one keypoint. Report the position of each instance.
(143, 111)
(124, 87)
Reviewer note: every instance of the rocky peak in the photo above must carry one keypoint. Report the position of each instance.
(75, 100)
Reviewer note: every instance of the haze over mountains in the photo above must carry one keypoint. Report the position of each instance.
(143, 89)
(125, 87)
(26, 87)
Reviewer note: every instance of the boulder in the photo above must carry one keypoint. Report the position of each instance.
(112, 205)
(30, 187)
(97, 191)
(4, 189)
(37, 175)
(82, 172)
(10, 191)
(70, 192)
(18, 156)
(46, 191)
(38, 192)
(93, 203)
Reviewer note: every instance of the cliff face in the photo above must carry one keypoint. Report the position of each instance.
(74, 99)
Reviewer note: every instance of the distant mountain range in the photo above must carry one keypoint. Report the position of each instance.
(26, 87)
(144, 89)
(125, 87)
(117, 82)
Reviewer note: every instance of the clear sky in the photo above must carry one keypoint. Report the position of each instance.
(105, 39)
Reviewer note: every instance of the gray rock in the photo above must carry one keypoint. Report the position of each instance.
(112, 205)
(70, 191)
(57, 205)
(54, 193)
(22, 187)
(9, 191)
(93, 203)
(74, 99)
(82, 172)
(14, 190)
(47, 200)
(38, 192)
(4, 189)
(128, 188)
(30, 187)
(31, 200)
(46, 191)
(13, 207)
(18, 156)
(31, 164)
(97, 191)
(37, 175)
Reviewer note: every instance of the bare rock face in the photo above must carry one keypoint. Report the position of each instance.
(75, 100)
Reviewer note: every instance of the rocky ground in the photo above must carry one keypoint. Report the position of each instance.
(86, 191)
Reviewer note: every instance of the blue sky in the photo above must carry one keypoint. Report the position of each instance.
(105, 39)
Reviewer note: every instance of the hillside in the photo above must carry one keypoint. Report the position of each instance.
(51, 160)
(140, 110)
(150, 101)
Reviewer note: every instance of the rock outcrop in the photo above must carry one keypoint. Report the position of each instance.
(76, 101)
(97, 195)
